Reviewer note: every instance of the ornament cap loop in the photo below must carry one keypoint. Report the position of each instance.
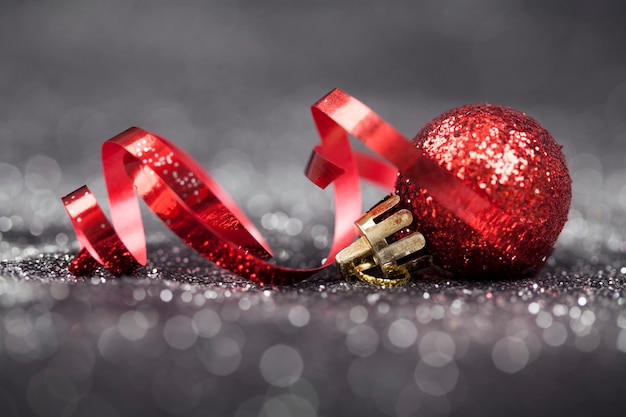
(371, 258)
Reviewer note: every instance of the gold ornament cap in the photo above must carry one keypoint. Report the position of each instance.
(372, 259)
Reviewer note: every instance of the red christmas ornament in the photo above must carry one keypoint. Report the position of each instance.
(515, 164)
(487, 185)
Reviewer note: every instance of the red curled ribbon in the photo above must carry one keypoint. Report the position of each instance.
(193, 206)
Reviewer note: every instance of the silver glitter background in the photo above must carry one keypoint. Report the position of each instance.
(231, 83)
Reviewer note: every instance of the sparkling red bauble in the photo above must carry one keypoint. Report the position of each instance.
(509, 158)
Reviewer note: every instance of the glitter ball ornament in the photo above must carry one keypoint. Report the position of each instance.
(514, 163)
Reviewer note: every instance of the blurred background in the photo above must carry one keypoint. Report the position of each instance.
(231, 83)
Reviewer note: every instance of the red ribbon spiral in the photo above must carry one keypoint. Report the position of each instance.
(192, 205)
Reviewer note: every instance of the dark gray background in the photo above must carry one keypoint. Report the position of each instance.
(231, 83)
(240, 76)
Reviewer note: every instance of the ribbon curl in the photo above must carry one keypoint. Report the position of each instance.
(193, 206)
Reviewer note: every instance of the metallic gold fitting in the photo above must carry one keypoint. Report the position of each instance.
(372, 259)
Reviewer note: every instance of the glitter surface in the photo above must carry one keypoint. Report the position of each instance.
(510, 158)
(185, 337)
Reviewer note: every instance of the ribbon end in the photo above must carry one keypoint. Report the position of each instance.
(320, 170)
(82, 264)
